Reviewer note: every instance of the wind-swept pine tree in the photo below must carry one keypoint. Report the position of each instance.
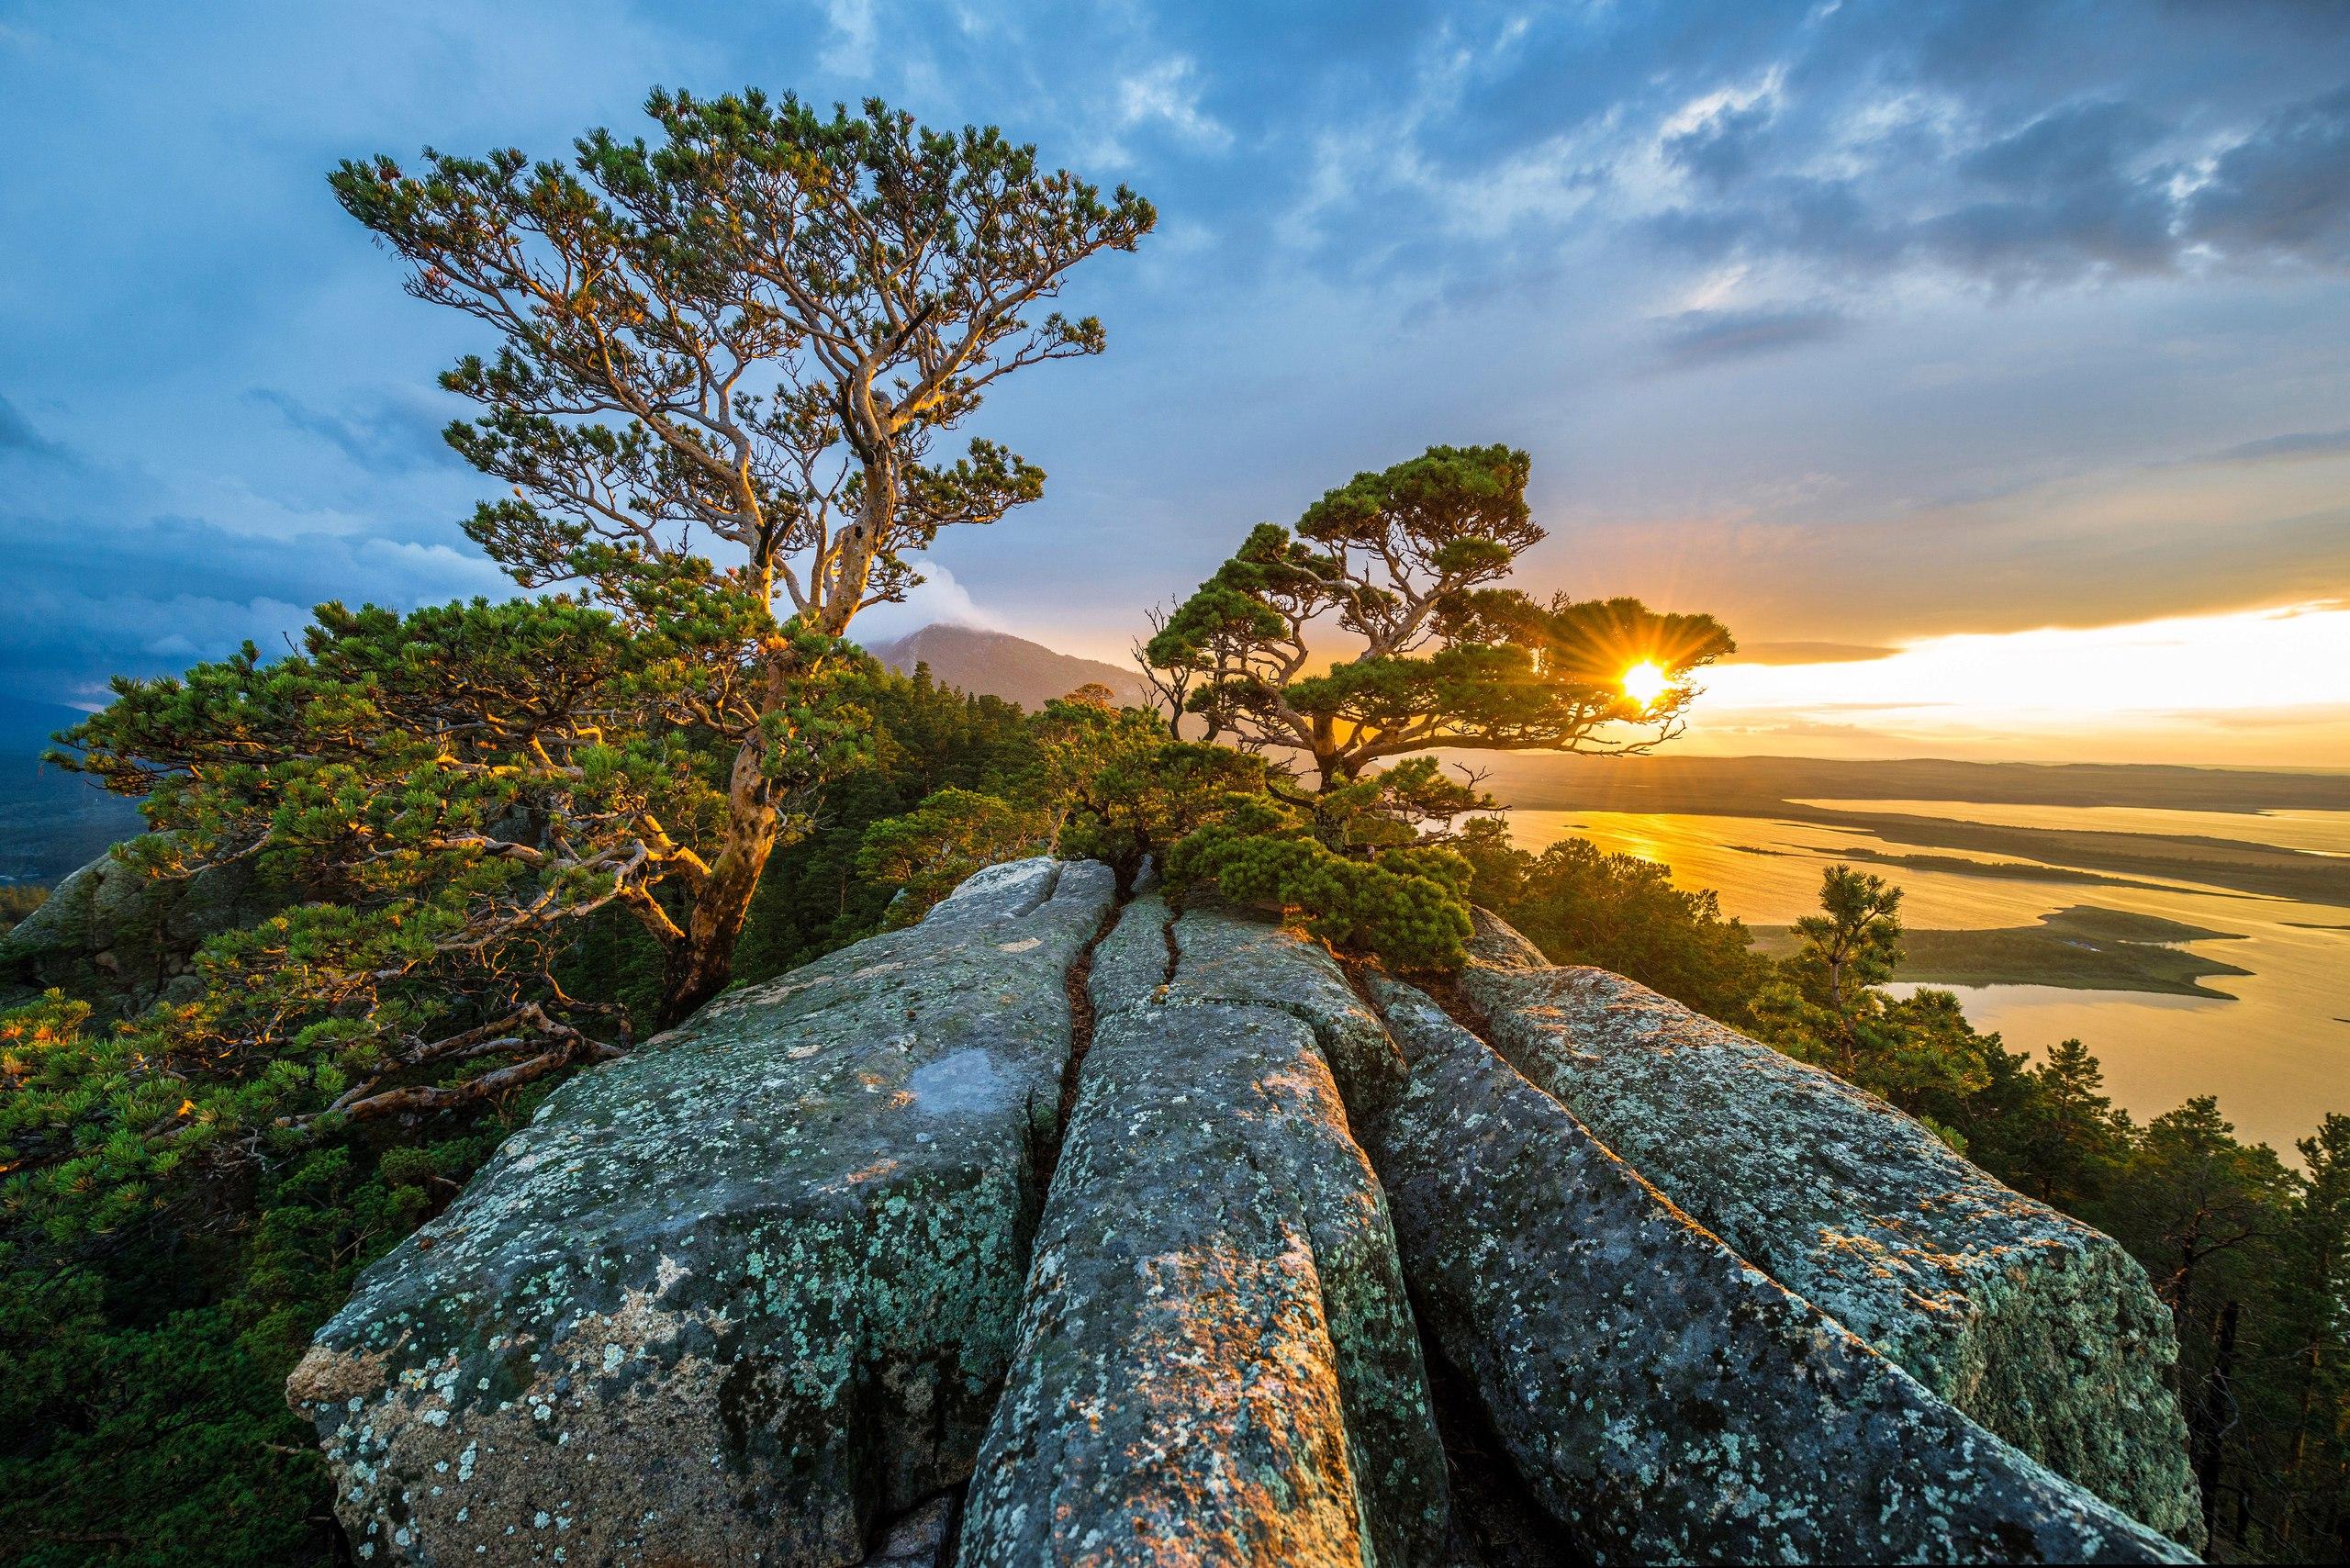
(1391, 579)
(728, 358)
(1374, 631)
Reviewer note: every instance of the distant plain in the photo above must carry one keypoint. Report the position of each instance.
(2192, 926)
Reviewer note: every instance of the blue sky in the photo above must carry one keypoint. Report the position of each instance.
(1857, 324)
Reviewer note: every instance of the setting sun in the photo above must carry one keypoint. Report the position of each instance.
(1644, 683)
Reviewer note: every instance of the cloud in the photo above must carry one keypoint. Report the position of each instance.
(118, 592)
(1164, 97)
(2160, 669)
(849, 50)
(1807, 652)
(2079, 190)
(383, 433)
(16, 433)
(160, 557)
(1704, 337)
(1721, 147)
(2134, 544)
(937, 600)
(2301, 443)
(2284, 191)
(1168, 94)
(2092, 186)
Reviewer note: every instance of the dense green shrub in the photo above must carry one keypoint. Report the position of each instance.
(142, 1416)
(1408, 907)
(1583, 905)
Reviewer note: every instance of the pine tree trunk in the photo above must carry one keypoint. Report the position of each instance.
(1330, 768)
(2314, 1358)
(700, 966)
(2210, 1421)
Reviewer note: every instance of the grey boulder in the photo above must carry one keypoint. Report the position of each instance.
(111, 933)
(2042, 1329)
(1217, 1362)
(742, 1295)
(1661, 1395)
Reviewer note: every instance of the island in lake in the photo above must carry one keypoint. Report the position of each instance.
(2083, 947)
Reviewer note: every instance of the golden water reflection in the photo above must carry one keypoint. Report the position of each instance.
(2278, 1055)
(2319, 833)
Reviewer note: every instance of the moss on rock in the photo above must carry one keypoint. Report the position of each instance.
(739, 1295)
(1664, 1398)
(1217, 1363)
(2039, 1326)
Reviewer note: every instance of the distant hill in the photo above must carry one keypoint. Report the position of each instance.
(26, 724)
(996, 663)
(51, 820)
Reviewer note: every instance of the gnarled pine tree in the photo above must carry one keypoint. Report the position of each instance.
(727, 358)
(1402, 564)
(740, 345)
(1400, 570)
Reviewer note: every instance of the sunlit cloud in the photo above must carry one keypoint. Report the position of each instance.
(937, 600)
(1809, 653)
(2246, 677)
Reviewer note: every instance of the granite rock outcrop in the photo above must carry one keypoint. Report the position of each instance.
(742, 1296)
(1054, 1230)
(2038, 1327)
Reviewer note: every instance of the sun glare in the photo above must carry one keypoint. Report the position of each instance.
(1644, 683)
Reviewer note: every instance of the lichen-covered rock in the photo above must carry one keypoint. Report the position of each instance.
(1664, 1398)
(1211, 955)
(2041, 1329)
(922, 1538)
(734, 1298)
(1217, 1362)
(111, 933)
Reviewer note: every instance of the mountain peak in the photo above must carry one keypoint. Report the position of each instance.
(997, 664)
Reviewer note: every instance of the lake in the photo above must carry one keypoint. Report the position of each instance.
(2277, 1053)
